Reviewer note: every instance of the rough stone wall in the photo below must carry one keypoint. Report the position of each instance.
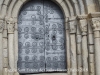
(82, 22)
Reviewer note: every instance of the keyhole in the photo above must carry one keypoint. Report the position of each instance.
(53, 38)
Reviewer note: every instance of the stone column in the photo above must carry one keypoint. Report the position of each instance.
(83, 27)
(67, 45)
(1, 45)
(96, 30)
(72, 26)
(91, 49)
(79, 48)
(11, 24)
(5, 49)
(5, 71)
(16, 46)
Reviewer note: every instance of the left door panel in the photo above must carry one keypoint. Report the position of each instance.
(31, 38)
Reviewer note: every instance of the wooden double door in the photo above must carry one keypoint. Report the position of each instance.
(41, 38)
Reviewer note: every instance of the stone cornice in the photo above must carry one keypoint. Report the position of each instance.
(81, 17)
(72, 18)
(94, 15)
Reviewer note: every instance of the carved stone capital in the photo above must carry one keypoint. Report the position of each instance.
(11, 25)
(83, 26)
(72, 26)
(96, 24)
(1, 26)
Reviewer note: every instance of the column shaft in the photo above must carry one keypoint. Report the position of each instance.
(97, 52)
(1, 54)
(85, 55)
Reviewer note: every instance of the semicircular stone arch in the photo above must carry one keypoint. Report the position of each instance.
(18, 5)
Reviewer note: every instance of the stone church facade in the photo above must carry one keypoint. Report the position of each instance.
(82, 30)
